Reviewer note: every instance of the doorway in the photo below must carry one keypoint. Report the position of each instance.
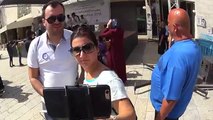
(141, 18)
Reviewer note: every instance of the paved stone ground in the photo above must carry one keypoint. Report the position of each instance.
(21, 102)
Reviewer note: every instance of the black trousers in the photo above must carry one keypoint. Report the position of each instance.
(19, 56)
(156, 112)
(11, 60)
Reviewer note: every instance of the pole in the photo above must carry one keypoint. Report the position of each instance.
(173, 3)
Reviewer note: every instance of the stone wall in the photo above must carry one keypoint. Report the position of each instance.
(204, 10)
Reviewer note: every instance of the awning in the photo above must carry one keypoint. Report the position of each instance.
(27, 20)
(21, 22)
(12, 2)
(3, 29)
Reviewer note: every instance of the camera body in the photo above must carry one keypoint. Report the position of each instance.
(114, 23)
(78, 102)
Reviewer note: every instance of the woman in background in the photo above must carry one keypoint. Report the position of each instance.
(162, 39)
(10, 46)
(115, 34)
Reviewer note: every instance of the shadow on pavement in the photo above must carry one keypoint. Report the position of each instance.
(133, 74)
(4, 58)
(142, 92)
(20, 65)
(15, 92)
(138, 82)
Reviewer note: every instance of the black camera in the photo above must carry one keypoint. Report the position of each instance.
(78, 102)
(114, 23)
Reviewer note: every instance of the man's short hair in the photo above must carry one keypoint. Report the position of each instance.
(53, 4)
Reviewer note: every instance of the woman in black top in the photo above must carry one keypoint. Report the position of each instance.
(162, 39)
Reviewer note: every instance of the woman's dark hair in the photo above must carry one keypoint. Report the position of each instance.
(84, 31)
(53, 4)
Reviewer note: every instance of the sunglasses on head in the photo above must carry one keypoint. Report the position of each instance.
(87, 48)
(52, 19)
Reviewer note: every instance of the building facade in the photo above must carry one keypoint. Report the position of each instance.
(16, 19)
(204, 18)
(135, 16)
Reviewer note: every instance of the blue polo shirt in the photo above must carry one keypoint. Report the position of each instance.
(175, 75)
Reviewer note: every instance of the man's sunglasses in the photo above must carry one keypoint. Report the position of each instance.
(87, 48)
(52, 19)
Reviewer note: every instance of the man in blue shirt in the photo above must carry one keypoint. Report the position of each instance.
(175, 74)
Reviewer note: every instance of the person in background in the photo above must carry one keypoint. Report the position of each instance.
(85, 50)
(49, 62)
(19, 46)
(115, 34)
(40, 28)
(162, 39)
(103, 49)
(10, 46)
(83, 20)
(174, 76)
(75, 21)
(1, 87)
(69, 22)
(29, 37)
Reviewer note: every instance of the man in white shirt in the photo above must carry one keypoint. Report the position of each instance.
(83, 20)
(68, 22)
(49, 61)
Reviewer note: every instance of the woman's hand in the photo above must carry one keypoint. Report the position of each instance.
(109, 23)
(125, 109)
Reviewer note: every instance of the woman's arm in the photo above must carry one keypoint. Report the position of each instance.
(125, 109)
(107, 33)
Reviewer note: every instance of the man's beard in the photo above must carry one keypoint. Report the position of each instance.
(56, 32)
